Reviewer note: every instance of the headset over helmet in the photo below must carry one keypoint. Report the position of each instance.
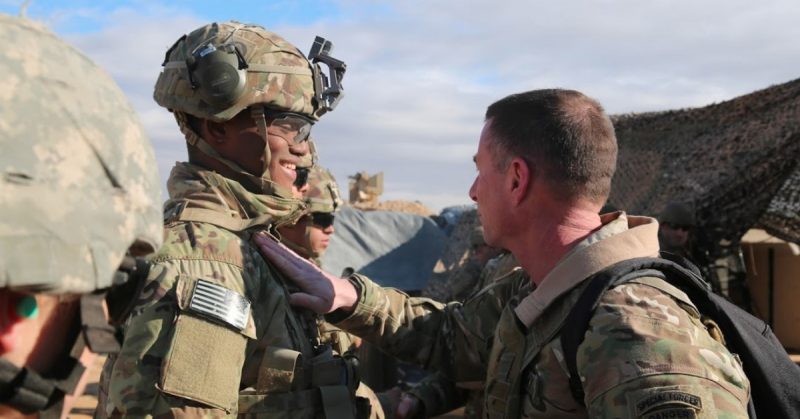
(221, 69)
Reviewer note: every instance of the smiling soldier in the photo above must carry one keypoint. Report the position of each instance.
(213, 334)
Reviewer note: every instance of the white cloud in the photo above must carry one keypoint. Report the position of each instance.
(421, 73)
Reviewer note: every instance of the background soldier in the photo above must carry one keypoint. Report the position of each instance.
(213, 333)
(466, 279)
(676, 225)
(310, 237)
(79, 202)
(545, 161)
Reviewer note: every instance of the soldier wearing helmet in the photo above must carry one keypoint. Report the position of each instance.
(213, 333)
(79, 206)
(676, 224)
(310, 236)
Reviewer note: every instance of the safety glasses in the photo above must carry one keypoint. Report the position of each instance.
(290, 123)
(322, 219)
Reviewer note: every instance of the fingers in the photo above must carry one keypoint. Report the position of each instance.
(281, 256)
(313, 303)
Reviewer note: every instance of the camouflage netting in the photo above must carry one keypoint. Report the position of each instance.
(736, 162)
(455, 250)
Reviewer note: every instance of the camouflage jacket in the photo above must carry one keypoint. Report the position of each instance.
(181, 358)
(436, 392)
(646, 353)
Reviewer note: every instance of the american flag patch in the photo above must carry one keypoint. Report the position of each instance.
(220, 304)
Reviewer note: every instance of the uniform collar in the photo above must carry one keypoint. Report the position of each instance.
(620, 238)
(202, 195)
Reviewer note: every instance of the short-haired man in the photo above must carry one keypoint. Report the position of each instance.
(545, 162)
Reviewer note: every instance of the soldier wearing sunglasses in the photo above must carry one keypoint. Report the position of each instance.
(310, 237)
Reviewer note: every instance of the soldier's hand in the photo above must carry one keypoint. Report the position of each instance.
(321, 291)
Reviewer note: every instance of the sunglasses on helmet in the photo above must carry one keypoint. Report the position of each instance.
(322, 219)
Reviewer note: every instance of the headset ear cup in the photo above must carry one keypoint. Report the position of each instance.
(217, 77)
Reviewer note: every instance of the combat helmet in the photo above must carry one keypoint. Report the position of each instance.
(79, 198)
(221, 69)
(323, 194)
(80, 184)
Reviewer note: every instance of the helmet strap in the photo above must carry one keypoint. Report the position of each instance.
(263, 183)
(257, 112)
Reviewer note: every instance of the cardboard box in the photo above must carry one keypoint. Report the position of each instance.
(767, 256)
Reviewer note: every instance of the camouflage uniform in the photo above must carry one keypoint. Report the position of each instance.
(78, 194)
(323, 196)
(213, 334)
(436, 392)
(646, 353)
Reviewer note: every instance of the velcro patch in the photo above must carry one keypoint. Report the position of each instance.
(676, 399)
(677, 413)
(219, 303)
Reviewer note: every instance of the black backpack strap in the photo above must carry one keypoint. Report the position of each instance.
(577, 322)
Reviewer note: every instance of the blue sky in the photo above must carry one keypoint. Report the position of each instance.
(421, 72)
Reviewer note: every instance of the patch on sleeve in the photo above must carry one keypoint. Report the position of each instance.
(677, 413)
(652, 401)
(681, 401)
(220, 304)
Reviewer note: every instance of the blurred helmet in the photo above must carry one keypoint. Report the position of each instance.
(678, 214)
(323, 192)
(80, 184)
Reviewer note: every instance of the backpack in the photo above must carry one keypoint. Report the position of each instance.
(774, 378)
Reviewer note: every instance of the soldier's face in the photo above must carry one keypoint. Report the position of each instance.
(238, 140)
(487, 190)
(673, 237)
(37, 342)
(285, 156)
(309, 236)
(320, 237)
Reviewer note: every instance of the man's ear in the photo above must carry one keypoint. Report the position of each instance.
(519, 175)
(213, 132)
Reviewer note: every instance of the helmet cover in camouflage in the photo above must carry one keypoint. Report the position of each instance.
(278, 75)
(323, 192)
(80, 183)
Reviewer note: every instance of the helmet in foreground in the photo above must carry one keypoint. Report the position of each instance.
(80, 184)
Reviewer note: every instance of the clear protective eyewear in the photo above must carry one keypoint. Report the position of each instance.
(290, 122)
